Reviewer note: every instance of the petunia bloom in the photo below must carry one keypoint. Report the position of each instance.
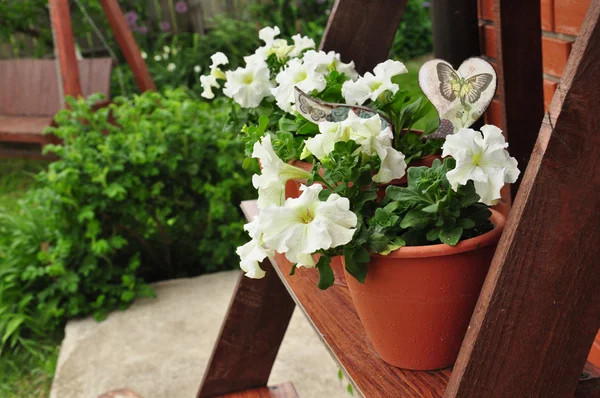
(275, 174)
(481, 158)
(253, 252)
(248, 86)
(372, 85)
(296, 74)
(306, 224)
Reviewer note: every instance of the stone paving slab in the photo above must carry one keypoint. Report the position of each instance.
(160, 347)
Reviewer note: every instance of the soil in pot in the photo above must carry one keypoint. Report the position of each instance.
(416, 303)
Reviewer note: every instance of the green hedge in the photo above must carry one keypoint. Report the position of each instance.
(152, 195)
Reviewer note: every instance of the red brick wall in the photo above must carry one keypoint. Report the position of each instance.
(561, 20)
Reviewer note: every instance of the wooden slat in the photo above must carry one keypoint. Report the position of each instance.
(65, 47)
(29, 86)
(285, 390)
(256, 321)
(333, 316)
(540, 309)
(517, 26)
(128, 45)
(363, 31)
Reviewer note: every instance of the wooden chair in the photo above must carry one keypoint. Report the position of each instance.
(539, 310)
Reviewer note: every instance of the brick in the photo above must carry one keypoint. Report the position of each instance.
(569, 14)
(555, 54)
(549, 89)
(492, 115)
(486, 9)
(487, 37)
(547, 8)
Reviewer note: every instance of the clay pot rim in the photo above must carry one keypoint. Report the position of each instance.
(442, 249)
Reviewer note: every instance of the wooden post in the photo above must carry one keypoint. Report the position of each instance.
(363, 31)
(455, 30)
(539, 309)
(256, 321)
(520, 80)
(128, 45)
(65, 48)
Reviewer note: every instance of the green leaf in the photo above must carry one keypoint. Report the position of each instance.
(431, 208)
(466, 223)
(415, 219)
(433, 234)
(357, 260)
(326, 277)
(12, 326)
(451, 236)
(396, 244)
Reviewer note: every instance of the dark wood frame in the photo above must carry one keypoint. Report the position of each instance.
(539, 309)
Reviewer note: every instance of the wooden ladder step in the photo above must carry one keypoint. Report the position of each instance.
(284, 390)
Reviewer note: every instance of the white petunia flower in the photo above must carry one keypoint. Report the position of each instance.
(296, 74)
(392, 165)
(306, 224)
(253, 252)
(248, 86)
(322, 144)
(371, 86)
(171, 67)
(326, 62)
(482, 158)
(144, 55)
(275, 173)
(208, 83)
(166, 49)
(157, 57)
(301, 43)
(268, 34)
(197, 68)
(218, 59)
(374, 140)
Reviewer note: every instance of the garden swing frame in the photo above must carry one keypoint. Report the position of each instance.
(27, 125)
(539, 310)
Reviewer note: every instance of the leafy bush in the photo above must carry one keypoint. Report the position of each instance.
(146, 189)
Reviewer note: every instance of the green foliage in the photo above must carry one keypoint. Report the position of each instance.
(428, 211)
(146, 189)
(186, 51)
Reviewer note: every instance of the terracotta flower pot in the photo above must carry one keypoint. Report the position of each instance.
(416, 302)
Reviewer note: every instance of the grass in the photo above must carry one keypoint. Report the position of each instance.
(16, 176)
(23, 374)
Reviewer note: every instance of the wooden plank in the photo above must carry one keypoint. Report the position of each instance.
(540, 309)
(65, 47)
(334, 318)
(285, 390)
(252, 332)
(128, 45)
(517, 26)
(363, 31)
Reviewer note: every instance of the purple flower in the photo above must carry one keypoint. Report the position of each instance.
(165, 26)
(426, 4)
(181, 7)
(131, 17)
(143, 29)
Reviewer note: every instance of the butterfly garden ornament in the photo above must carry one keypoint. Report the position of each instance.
(460, 96)
(318, 111)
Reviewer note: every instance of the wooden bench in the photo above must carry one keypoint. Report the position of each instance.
(30, 95)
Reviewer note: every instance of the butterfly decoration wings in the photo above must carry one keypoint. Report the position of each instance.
(452, 85)
(460, 96)
(318, 111)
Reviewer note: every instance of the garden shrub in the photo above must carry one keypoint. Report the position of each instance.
(152, 195)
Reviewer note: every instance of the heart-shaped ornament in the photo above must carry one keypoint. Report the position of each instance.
(460, 96)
